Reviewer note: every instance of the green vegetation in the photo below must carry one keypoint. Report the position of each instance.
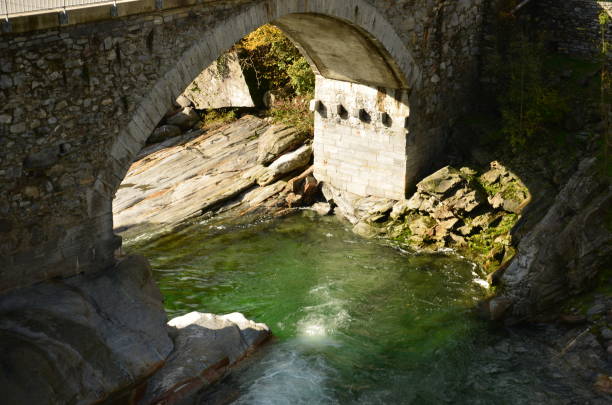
(293, 112)
(536, 98)
(273, 63)
(217, 117)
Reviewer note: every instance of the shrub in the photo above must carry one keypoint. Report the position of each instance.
(275, 62)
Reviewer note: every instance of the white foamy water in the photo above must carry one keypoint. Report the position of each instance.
(323, 320)
(287, 376)
(295, 373)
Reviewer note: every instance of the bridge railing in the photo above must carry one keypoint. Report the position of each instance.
(12, 7)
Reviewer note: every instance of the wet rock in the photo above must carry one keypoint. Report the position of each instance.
(163, 133)
(82, 338)
(356, 208)
(184, 119)
(366, 230)
(277, 140)
(205, 347)
(494, 308)
(294, 200)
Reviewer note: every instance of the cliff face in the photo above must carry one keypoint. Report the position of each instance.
(563, 253)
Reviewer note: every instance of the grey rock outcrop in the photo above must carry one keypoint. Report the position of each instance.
(220, 85)
(79, 339)
(173, 184)
(277, 140)
(206, 345)
(562, 254)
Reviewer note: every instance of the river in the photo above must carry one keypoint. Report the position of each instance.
(355, 321)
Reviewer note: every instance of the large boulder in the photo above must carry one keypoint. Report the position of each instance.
(442, 182)
(220, 85)
(81, 339)
(277, 140)
(206, 345)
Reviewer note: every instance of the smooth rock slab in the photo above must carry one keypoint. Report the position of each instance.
(206, 345)
(81, 339)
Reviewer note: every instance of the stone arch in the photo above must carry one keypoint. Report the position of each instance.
(375, 35)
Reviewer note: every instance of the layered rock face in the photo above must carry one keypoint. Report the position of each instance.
(220, 85)
(563, 253)
(200, 171)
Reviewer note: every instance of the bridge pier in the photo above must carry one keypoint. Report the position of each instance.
(362, 138)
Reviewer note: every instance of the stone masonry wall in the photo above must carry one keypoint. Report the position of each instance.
(360, 138)
(80, 95)
(572, 26)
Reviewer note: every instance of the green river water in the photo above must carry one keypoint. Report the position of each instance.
(356, 321)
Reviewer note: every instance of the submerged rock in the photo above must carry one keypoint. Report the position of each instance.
(322, 208)
(205, 346)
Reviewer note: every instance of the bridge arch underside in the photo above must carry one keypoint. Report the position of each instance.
(365, 79)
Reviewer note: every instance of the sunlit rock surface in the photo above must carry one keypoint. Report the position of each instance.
(220, 85)
(206, 345)
(178, 182)
(186, 176)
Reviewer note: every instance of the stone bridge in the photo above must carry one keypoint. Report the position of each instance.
(81, 91)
